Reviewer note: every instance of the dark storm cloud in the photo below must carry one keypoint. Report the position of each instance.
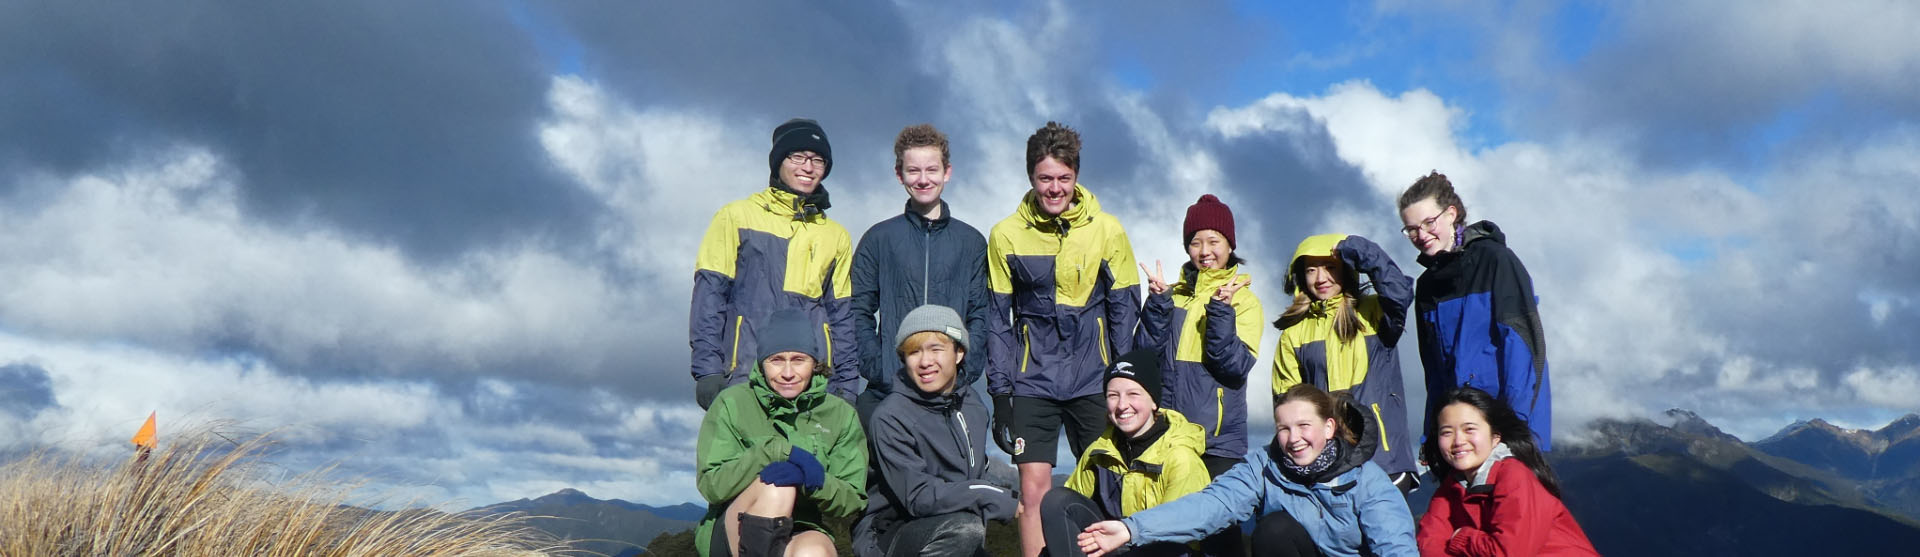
(25, 390)
(409, 123)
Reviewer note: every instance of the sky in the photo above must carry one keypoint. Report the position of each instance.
(449, 246)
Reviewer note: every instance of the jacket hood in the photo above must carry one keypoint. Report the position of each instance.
(903, 384)
(1085, 206)
(1202, 282)
(784, 202)
(1480, 231)
(1314, 246)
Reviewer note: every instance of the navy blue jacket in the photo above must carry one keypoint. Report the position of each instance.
(906, 262)
(1480, 326)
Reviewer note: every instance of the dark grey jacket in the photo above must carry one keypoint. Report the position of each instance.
(929, 457)
(906, 262)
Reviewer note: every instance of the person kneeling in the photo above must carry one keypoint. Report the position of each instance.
(936, 487)
(1314, 488)
(1148, 455)
(778, 452)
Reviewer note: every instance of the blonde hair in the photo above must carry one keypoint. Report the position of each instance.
(920, 339)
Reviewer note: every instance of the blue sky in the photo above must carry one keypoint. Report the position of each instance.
(449, 244)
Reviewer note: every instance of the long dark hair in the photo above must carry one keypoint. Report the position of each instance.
(1508, 425)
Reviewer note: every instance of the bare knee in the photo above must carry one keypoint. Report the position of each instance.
(764, 499)
(810, 544)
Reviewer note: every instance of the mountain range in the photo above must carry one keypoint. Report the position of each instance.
(1638, 487)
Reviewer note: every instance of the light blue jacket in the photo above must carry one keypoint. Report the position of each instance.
(1358, 512)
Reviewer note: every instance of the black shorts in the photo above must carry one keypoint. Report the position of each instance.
(1037, 423)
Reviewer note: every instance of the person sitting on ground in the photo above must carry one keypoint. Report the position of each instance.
(1314, 489)
(778, 453)
(934, 486)
(1497, 494)
(1147, 456)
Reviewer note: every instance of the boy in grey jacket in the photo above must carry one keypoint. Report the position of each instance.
(932, 486)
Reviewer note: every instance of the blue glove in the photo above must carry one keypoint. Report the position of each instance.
(783, 474)
(815, 475)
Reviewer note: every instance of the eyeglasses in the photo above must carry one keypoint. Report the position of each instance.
(1426, 225)
(804, 160)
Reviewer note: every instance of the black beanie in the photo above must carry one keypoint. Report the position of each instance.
(1143, 367)
(788, 330)
(799, 134)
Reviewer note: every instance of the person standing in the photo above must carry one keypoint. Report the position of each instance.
(1064, 302)
(923, 256)
(1479, 319)
(775, 250)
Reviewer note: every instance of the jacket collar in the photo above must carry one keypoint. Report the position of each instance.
(903, 384)
(1500, 452)
(1202, 282)
(783, 201)
(1181, 435)
(1352, 456)
(1465, 236)
(778, 406)
(1085, 207)
(924, 223)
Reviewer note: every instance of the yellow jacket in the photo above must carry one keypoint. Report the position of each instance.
(1168, 469)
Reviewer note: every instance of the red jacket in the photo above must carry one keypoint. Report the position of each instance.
(1509, 514)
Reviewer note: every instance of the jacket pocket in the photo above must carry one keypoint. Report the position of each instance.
(1102, 322)
(1026, 346)
(1219, 409)
(827, 330)
(733, 360)
(1383, 427)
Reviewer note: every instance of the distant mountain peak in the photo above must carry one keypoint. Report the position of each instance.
(1905, 426)
(1685, 421)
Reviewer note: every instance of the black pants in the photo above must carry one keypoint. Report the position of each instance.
(1064, 513)
(1279, 535)
(955, 534)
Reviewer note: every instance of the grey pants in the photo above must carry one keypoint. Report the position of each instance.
(955, 534)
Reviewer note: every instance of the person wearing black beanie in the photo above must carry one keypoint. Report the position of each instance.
(775, 250)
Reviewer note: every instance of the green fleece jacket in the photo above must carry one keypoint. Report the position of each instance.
(750, 426)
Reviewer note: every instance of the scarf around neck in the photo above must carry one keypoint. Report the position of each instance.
(1319, 465)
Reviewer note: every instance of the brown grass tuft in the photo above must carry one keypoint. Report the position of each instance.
(206, 496)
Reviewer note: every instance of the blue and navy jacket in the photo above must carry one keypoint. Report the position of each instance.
(1369, 367)
(1350, 510)
(762, 254)
(1206, 351)
(909, 261)
(1480, 326)
(1064, 302)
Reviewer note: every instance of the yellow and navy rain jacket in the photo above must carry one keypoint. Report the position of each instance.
(1166, 470)
(1207, 350)
(1369, 366)
(762, 254)
(1065, 299)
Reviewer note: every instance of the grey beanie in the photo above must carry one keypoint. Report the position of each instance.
(936, 318)
(788, 330)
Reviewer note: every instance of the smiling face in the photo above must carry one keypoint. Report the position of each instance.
(1053, 186)
(1129, 407)
(1429, 226)
(1321, 276)
(788, 373)
(1301, 432)
(924, 176)
(1209, 249)
(1465, 439)
(932, 361)
(801, 170)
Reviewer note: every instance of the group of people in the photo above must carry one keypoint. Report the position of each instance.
(838, 379)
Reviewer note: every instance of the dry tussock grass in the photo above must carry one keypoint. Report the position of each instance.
(207, 496)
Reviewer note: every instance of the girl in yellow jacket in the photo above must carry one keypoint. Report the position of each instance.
(1339, 337)
(1149, 455)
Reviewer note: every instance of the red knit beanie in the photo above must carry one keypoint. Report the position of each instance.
(1209, 214)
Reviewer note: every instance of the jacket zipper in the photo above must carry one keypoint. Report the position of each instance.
(1026, 346)
(1102, 322)
(827, 329)
(926, 268)
(1219, 409)
(733, 360)
(960, 417)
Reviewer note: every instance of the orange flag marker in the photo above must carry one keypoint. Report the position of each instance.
(145, 437)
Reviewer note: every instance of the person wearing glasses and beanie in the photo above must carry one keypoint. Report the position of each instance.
(775, 250)
(1479, 319)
